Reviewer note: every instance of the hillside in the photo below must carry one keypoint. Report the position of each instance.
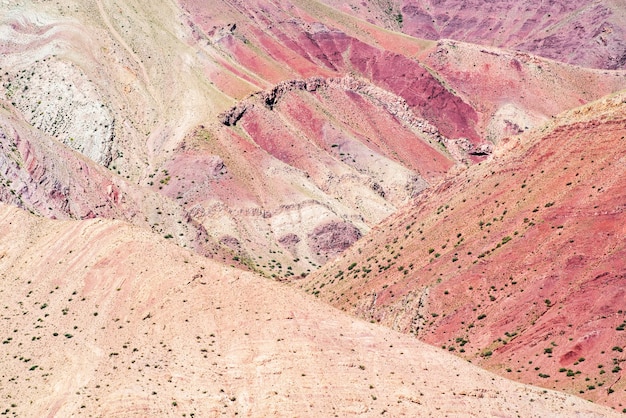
(516, 263)
(448, 169)
(92, 326)
(270, 136)
(589, 33)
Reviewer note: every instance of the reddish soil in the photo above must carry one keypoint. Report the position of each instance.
(333, 52)
(274, 135)
(517, 263)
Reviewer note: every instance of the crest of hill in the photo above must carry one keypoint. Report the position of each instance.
(99, 318)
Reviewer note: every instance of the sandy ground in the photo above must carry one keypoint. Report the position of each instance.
(102, 319)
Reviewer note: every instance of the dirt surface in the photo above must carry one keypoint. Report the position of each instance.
(102, 319)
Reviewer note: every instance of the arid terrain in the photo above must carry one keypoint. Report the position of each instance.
(584, 32)
(517, 264)
(102, 319)
(176, 176)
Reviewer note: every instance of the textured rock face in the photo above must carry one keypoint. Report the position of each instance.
(333, 238)
(44, 177)
(460, 149)
(41, 175)
(59, 100)
(393, 72)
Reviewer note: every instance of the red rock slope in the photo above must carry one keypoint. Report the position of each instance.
(517, 263)
(344, 102)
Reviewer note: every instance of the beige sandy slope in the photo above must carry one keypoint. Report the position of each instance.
(101, 319)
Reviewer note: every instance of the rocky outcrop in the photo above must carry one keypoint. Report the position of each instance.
(269, 98)
(332, 238)
(232, 115)
(459, 148)
(289, 240)
(58, 99)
